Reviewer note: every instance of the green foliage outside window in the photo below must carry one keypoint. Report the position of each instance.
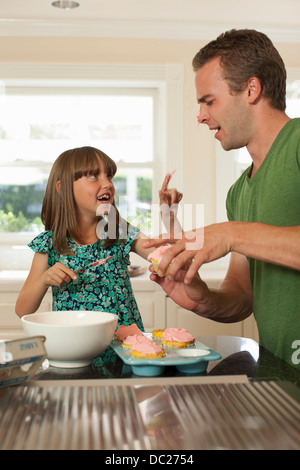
(20, 206)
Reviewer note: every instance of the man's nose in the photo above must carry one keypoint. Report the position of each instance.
(202, 116)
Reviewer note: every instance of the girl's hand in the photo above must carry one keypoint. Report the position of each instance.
(169, 200)
(57, 275)
(169, 196)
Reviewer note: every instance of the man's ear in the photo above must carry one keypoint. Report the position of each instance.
(58, 186)
(254, 89)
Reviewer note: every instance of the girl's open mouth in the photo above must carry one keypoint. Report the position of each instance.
(104, 197)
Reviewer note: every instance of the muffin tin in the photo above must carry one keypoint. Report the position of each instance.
(190, 360)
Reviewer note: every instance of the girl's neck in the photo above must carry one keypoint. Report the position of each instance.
(88, 231)
(87, 241)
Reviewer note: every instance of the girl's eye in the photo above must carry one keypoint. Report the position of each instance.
(93, 176)
(209, 103)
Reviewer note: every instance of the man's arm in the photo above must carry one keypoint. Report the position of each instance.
(269, 243)
(232, 302)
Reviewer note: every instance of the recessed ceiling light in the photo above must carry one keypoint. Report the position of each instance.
(65, 4)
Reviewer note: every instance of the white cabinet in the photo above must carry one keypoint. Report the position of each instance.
(152, 307)
(10, 323)
(177, 317)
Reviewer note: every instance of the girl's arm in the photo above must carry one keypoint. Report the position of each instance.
(39, 279)
(137, 246)
(169, 200)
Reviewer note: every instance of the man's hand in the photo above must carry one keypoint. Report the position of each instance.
(187, 296)
(196, 247)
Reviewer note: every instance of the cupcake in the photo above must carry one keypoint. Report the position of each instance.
(157, 334)
(123, 331)
(177, 338)
(132, 340)
(147, 350)
(156, 256)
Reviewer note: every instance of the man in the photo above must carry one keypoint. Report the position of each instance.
(241, 86)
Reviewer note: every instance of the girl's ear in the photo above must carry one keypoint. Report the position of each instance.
(58, 186)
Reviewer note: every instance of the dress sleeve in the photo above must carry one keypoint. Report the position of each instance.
(128, 233)
(42, 242)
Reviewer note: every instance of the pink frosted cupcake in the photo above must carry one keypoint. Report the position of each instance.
(157, 334)
(156, 256)
(123, 331)
(147, 350)
(177, 338)
(132, 340)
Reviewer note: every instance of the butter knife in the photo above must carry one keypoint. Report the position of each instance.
(93, 264)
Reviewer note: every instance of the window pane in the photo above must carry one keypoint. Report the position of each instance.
(134, 196)
(40, 127)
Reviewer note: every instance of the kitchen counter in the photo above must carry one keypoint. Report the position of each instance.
(247, 400)
(11, 280)
(213, 274)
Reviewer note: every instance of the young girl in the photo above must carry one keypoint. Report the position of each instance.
(80, 186)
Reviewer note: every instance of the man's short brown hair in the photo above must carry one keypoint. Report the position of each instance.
(245, 54)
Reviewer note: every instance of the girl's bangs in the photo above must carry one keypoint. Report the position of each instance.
(92, 162)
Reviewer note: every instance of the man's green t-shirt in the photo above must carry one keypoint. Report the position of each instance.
(272, 197)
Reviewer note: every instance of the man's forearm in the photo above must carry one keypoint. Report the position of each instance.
(269, 243)
(226, 304)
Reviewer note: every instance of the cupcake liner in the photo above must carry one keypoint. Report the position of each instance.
(155, 265)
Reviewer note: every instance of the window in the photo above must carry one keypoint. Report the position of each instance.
(127, 119)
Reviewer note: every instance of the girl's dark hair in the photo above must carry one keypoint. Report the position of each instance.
(245, 54)
(58, 210)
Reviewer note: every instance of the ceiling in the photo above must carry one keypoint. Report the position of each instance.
(175, 19)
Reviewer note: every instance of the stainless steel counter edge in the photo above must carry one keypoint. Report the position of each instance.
(228, 379)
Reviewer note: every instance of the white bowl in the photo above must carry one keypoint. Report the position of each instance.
(73, 338)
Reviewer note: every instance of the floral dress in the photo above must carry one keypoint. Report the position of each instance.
(106, 287)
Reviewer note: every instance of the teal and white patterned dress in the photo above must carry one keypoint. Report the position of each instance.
(104, 288)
